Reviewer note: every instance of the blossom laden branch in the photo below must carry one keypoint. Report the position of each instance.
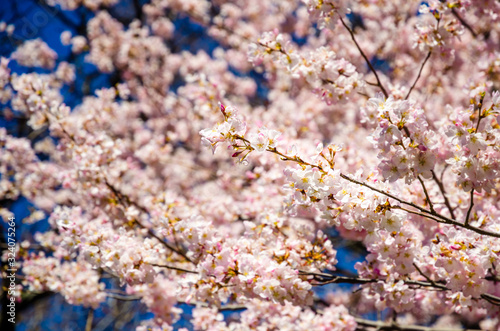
(368, 62)
(125, 200)
(234, 129)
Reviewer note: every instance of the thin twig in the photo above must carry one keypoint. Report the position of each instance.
(173, 268)
(470, 207)
(379, 83)
(379, 325)
(426, 195)
(443, 192)
(464, 23)
(420, 214)
(491, 299)
(428, 279)
(437, 217)
(419, 73)
(324, 279)
(221, 308)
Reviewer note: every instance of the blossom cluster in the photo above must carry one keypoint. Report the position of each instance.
(330, 77)
(76, 281)
(257, 267)
(364, 129)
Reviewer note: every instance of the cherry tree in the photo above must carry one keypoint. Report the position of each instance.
(228, 180)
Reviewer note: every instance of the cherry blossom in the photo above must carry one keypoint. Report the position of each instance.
(242, 176)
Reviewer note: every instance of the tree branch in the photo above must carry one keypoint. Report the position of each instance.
(470, 207)
(173, 268)
(464, 23)
(90, 320)
(379, 325)
(426, 194)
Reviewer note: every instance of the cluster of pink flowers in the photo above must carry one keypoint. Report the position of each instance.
(402, 135)
(76, 280)
(328, 76)
(253, 266)
(269, 316)
(237, 178)
(35, 53)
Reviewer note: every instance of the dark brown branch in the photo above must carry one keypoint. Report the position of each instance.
(428, 279)
(324, 279)
(424, 212)
(222, 308)
(491, 299)
(391, 326)
(442, 218)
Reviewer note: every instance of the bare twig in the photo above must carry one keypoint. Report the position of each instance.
(428, 279)
(441, 188)
(464, 23)
(379, 83)
(470, 207)
(221, 308)
(491, 299)
(386, 326)
(426, 194)
(430, 214)
(173, 268)
(426, 213)
(324, 279)
(419, 73)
